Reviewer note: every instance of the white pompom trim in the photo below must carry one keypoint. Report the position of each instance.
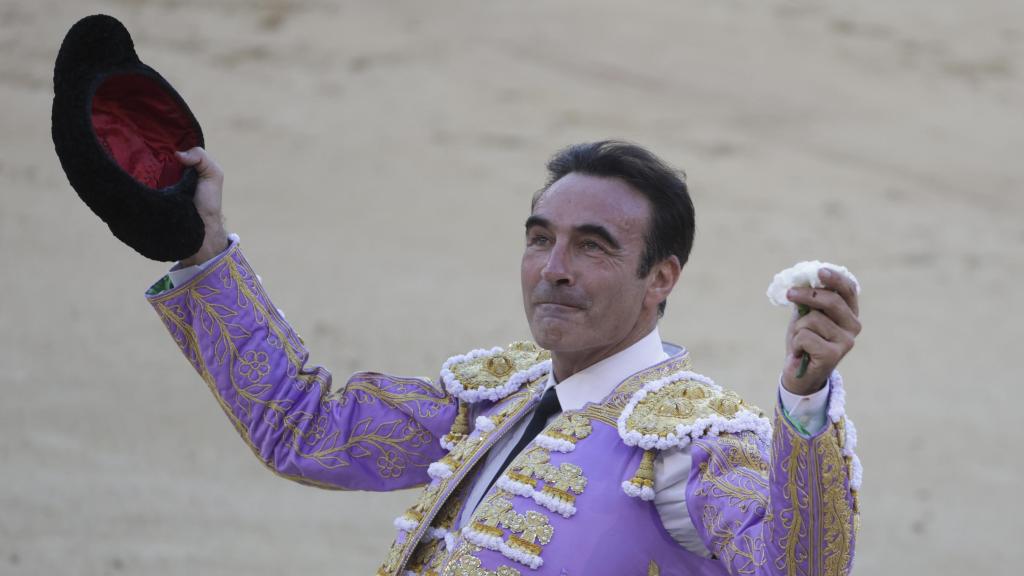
(405, 523)
(641, 492)
(837, 412)
(836, 397)
(498, 545)
(743, 421)
(439, 470)
(554, 504)
(449, 542)
(856, 473)
(484, 424)
(436, 533)
(520, 556)
(554, 444)
(557, 505)
(449, 446)
(511, 486)
(482, 540)
(456, 388)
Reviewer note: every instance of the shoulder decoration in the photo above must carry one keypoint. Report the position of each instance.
(494, 374)
(848, 438)
(674, 410)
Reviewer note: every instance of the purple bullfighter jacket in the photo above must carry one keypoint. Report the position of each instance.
(576, 501)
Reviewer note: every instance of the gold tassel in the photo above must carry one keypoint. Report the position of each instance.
(460, 427)
(644, 477)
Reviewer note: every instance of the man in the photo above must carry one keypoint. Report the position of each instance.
(597, 450)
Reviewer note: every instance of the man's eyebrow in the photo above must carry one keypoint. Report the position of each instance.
(601, 232)
(537, 221)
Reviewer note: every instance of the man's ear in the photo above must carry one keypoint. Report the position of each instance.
(662, 279)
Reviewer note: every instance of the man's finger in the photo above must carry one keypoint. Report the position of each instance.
(842, 286)
(830, 303)
(816, 321)
(198, 158)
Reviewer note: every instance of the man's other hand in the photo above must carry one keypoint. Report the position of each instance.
(826, 333)
(208, 204)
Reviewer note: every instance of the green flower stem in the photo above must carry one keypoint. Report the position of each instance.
(802, 310)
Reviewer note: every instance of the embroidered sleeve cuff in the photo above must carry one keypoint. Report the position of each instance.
(179, 276)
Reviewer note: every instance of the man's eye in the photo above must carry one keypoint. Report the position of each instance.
(537, 240)
(590, 245)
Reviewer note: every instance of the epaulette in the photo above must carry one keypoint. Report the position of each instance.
(489, 375)
(673, 411)
(495, 373)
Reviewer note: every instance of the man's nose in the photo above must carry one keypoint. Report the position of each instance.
(557, 269)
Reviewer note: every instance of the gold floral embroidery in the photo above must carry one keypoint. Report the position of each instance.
(737, 471)
(467, 565)
(532, 527)
(469, 456)
(419, 395)
(561, 481)
(797, 500)
(744, 557)
(682, 402)
(529, 531)
(393, 443)
(493, 513)
(493, 370)
(837, 517)
(609, 409)
(569, 427)
(652, 569)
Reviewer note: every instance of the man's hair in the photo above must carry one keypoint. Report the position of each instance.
(672, 217)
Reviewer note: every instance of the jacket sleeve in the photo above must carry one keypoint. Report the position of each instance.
(789, 508)
(378, 432)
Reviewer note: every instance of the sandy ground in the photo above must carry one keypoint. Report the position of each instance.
(380, 157)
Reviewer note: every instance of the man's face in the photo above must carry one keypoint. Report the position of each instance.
(584, 242)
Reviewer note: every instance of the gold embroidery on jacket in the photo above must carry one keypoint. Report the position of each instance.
(493, 371)
(393, 442)
(797, 500)
(563, 481)
(468, 565)
(735, 470)
(569, 426)
(529, 531)
(837, 515)
(683, 402)
(609, 409)
(830, 516)
(531, 527)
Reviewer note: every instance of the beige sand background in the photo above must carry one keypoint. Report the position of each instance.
(380, 157)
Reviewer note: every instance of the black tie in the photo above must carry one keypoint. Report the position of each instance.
(547, 408)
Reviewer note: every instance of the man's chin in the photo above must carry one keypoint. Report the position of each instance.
(553, 334)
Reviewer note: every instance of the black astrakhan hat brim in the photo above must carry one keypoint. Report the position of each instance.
(148, 206)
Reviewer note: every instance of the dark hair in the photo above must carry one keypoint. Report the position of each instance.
(672, 217)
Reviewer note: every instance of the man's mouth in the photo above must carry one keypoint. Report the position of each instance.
(557, 306)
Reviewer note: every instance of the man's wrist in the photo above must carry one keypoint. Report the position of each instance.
(801, 388)
(215, 242)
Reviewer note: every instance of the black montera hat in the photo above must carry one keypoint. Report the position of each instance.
(116, 126)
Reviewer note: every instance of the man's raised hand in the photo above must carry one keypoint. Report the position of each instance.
(826, 333)
(208, 204)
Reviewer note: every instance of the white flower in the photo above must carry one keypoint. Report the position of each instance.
(803, 274)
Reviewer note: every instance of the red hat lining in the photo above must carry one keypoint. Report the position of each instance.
(141, 126)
